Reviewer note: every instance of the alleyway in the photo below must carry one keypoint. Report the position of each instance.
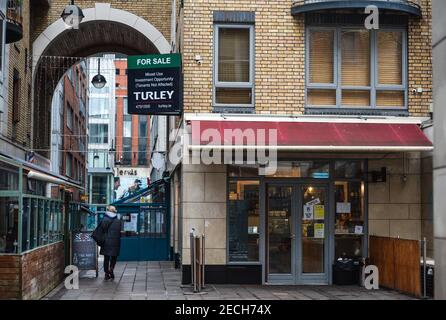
(160, 281)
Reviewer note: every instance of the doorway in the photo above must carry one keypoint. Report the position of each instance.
(297, 239)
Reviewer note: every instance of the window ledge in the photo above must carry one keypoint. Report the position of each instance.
(358, 112)
(233, 109)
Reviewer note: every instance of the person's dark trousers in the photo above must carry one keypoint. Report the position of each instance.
(109, 265)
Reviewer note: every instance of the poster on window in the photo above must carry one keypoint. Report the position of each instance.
(319, 212)
(308, 212)
(319, 230)
(132, 225)
(343, 207)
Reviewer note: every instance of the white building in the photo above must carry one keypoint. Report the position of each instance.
(101, 131)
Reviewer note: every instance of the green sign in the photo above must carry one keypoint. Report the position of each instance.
(154, 61)
(154, 84)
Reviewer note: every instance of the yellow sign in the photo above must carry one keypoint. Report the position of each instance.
(319, 212)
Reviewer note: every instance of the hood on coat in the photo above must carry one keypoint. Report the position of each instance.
(111, 214)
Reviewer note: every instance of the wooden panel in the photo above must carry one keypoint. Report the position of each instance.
(398, 262)
(407, 260)
(382, 256)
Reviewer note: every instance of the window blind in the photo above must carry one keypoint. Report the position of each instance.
(355, 58)
(233, 60)
(321, 56)
(390, 58)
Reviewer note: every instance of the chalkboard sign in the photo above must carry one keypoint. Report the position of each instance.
(84, 251)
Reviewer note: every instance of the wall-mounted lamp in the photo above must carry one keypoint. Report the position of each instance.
(72, 15)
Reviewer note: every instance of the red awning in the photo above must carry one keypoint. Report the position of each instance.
(308, 136)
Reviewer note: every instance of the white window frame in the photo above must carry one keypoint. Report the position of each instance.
(234, 85)
(374, 85)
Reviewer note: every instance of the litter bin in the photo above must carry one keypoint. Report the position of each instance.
(346, 272)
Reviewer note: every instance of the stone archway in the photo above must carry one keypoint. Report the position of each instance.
(104, 29)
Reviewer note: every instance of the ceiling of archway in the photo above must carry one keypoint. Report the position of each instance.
(100, 36)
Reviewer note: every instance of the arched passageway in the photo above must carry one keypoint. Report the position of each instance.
(57, 48)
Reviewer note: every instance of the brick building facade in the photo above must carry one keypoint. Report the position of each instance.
(284, 43)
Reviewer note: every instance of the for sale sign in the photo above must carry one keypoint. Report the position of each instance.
(154, 84)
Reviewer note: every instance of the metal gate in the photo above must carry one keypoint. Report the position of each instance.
(145, 234)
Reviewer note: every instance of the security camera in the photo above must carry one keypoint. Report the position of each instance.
(198, 59)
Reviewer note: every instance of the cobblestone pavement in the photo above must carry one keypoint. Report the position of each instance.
(160, 281)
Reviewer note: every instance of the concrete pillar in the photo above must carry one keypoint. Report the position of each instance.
(439, 97)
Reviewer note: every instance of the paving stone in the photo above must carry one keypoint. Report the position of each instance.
(160, 281)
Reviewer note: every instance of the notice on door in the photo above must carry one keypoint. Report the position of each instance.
(154, 84)
(319, 212)
(319, 230)
(308, 212)
(132, 225)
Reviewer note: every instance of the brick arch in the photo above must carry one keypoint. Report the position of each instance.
(101, 12)
(104, 29)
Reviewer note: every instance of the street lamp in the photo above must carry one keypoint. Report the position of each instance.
(99, 81)
(72, 15)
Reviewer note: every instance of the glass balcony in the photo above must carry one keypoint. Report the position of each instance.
(14, 19)
(400, 6)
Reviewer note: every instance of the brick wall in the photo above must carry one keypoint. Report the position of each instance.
(19, 58)
(280, 56)
(72, 137)
(9, 277)
(42, 271)
(32, 275)
(420, 60)
(157, 12)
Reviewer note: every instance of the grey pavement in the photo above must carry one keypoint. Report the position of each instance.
(161, 281)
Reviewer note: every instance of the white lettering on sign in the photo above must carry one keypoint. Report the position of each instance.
(153, 61)
(153, 95)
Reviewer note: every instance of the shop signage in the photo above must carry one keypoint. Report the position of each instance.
(84, 251)
(154, 84)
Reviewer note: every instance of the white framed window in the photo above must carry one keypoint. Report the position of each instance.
(355, 68)
(233, 65)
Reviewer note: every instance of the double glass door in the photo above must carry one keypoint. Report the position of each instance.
(297, 233)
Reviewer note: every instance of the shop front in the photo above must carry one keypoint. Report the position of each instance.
(299, 220)
(35, 219)
(334, 186)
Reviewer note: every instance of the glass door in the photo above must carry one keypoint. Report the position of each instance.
(280, 235)
(313, 247)
(297, 233)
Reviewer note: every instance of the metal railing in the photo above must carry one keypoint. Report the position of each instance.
(411, 3)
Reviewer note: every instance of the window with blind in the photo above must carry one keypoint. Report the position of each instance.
(356, 68)
(233, 76)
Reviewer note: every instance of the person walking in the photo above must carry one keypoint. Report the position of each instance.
(111, 228)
